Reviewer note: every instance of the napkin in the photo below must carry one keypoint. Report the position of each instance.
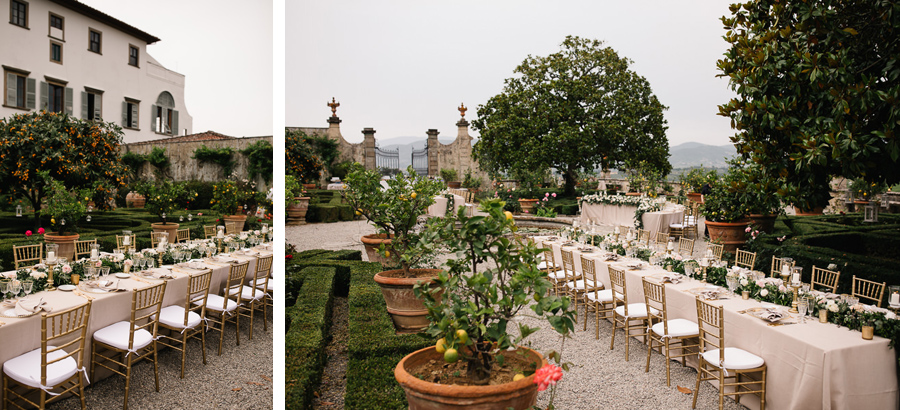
(772, 315)
(192, 265)
(710, 294)
(161, 273)
(611, 257)
(673, 278)
(223, 258)
(569, 244)
(25, 307)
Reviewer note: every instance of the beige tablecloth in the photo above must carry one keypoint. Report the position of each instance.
(623, 215)
(810, 366)
(439, 208)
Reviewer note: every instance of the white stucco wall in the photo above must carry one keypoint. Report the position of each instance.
(29, 50)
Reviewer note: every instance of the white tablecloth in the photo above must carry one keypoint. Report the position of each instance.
(810, 366)
(623, 215)
(439, 208)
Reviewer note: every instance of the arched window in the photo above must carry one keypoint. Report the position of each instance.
(165, 117)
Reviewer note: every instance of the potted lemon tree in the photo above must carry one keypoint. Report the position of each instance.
(164, 197)
(493, 279)
(401, 245)
(66, 208)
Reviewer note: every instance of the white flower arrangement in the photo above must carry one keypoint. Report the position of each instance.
(38, 274)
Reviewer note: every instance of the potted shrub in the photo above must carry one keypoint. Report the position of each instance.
(230, 197)
(65, 208)
(758, 193)
(296, 202)
(401, 245)
(726, 212)
(163, 198)
(864, 191)
(494, 278)
(450, 177)
(471, 182)
(694, 180)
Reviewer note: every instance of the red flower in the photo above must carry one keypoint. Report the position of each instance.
(547, 375)
(28, 233)
(289, 256)
(40, 231)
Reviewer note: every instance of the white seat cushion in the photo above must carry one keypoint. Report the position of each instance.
(543, 265)
(116, 335)
(601, 296)
(262, 281)
(635, 310)
(735, 358)
(26, 369)
(558, 275)
(677, 328)
(219, 303)
(676, 226)
(580, 284)
(173, 316)
(248, 293)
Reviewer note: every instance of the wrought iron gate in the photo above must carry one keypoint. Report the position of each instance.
(420, 160)
(387, 159)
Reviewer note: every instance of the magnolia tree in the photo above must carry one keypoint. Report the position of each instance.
(78, 153)
(580, 108)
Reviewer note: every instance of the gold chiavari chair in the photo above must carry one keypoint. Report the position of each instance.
(252, 296)
(643, 236)
(230, 228)
(596, 298)
(226, 308)
(686, 247)
(132, 340)
(662, 239)
(83, 248)
(27, 255)
(120, 242)
(717, 250)
(777, 266)
(156, 238)
(265, 283)
(690, 220)
(184, 322)
(676, 230)
(63, 336)
(828, 279)
(745, 259)
(867, 289)
(721, 363)
(183, 235)
(625, 314)
(574, 285)
(668, 334)
(554, 271)
(209, 231)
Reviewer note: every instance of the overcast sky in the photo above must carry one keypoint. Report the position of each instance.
(224, 49)
(403, 67)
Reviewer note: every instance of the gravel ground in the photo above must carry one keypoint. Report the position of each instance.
(598, 377)
(330, 395)
(241, 378)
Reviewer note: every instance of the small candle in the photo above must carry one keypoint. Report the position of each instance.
(265, 229)
(785, 269)
(895, 298)
(127, 240)
(795, 278)
(221, 234)
(617, 229)
(51, 255)
(94, 254)
(670, 246)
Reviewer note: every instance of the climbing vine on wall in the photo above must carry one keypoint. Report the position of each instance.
(221, 156)
(259, 156)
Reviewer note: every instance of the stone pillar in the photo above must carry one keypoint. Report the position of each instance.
(463, 147)
(433, 147)
(334, 129)
(369, 147)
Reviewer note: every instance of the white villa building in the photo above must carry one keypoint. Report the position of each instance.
(65, 56)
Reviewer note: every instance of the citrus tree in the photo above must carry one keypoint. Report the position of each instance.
(306, 156)
(78, 153)
(580, 108)
(164, 197)
(817, 85)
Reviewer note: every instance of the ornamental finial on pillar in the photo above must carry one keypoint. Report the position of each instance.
(462, 110)
(333, 104)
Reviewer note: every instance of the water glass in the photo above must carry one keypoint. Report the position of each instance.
(104, 271)
(3, 286)
(14, 287)
(27, 287)
(803, 307)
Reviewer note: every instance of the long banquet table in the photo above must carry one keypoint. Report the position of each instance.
(810, 366)
(623, 215)
(22, 335)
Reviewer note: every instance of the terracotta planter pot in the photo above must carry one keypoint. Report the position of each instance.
(407, 311)
(766, 223)
(137, 200)
(423, 395)
(454, 184)
(696, 197)
(633, 194)
(169, 228)
(730, 234)
(309, 186)
(527, 205)
(372, 243)
(238, 221)
(66, 244)
(808, 212)
(296, 213)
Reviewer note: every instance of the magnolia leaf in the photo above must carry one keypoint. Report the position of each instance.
(685, 390)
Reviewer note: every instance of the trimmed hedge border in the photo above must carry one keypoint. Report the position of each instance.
(328, 206)
(310, 319)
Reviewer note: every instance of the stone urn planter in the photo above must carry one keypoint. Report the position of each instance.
(296, 212)
(454, 184)
(66, 244)
(170, 228)
(238, 221)
(696, 197)
(422, 395)
(407, 311)
(135, 199)
(730, 234)
(765, 222)
(527, 205)
(372, 243)
(809, 212)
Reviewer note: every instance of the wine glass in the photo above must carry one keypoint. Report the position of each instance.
(104, 271)
(803, 307)
(14, 287)
(3, 286)
(732, 282)
(27, 287)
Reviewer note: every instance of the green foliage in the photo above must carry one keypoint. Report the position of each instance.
(65, 207)
(644, 178)
(259, 157)
(76, 152)
(159, 160)
(697, 177)
(449, 174)
(341, 169)
(164, 197)
(134, 162)
(228, 195)
(306, 156)
(395, 210)
(221, 156)
(292, 189)
(866, 191)
(470, 181)
(481, 300)
(204, 191)
(580, 108)
(310, 319)
(817, 92)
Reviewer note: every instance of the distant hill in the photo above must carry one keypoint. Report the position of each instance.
(694, 154)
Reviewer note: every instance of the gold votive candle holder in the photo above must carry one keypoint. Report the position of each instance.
(868, 332)
(75, 278)
(823, 316)
(745, 295)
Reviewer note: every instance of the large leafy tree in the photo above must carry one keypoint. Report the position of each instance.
(79, 153)
(579, 108)
(818, 91)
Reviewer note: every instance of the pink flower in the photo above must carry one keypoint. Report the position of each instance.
(546, 194)
(547, 375)
(199, 213)
(28, 233)
(40, 231)
(747, 230)
(781, 239)
(554, 194)
(545, 199)
(782, 289)
(526, 211)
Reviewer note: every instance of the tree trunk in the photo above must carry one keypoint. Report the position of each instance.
(477, 371)
(569, 176)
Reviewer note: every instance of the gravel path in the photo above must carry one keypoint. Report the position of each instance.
(241, 378)
(598, 378)
(334, 378)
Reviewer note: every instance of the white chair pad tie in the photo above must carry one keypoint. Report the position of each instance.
(735, 359)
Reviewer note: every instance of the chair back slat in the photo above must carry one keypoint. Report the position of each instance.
(825, 278)
(644, 236)
(230, 228)
(209, 231)
(617, 280)
(62, 330)
(717, 250)
(145, 306)
(745, 259)
(27, 255)
(655, 298)
(549, 258)
(588, 271)
(662, 238)
(197, 294)
(183, 235)
(83, 248)
(120, 242)
(156, 237)
(236, 280)
(710, 319)
(867, 289)
(686, 246)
